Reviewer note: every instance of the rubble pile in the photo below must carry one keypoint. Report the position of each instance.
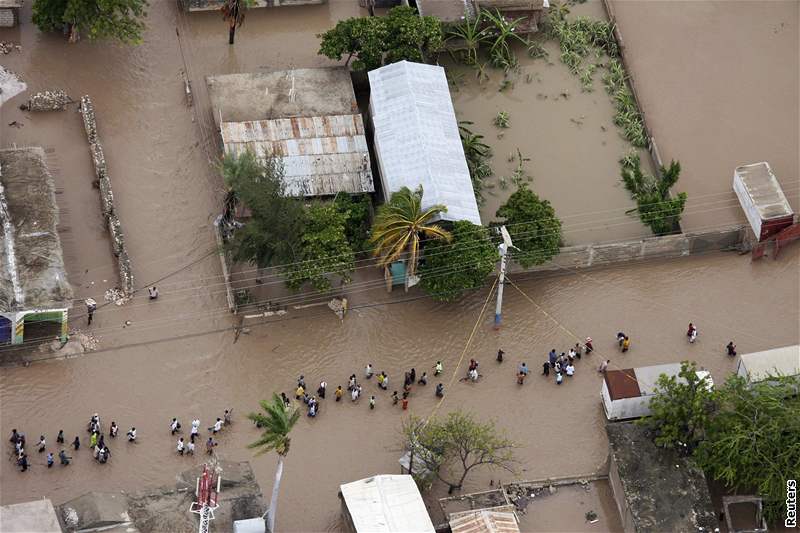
(107, 204)
(57, 100)
(116, 295)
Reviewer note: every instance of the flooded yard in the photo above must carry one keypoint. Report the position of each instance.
(567, 134)
(719, 83)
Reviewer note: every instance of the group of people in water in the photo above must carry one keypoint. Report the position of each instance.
(355, 389)
(99, 447)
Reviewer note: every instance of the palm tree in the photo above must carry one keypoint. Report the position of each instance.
(399, 224)
(233, 12)
(277, 421)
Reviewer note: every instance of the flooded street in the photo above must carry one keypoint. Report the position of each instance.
(560, 429)
(179, 356)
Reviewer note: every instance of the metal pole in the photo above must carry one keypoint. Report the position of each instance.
(498, 310)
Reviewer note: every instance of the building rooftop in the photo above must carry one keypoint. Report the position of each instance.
(783, 361)
(321, 155)
(305, 92)
(386, 503)
(663, 491)
(38, 515)
(32, 274)
(763, 188)
(417, 140)
(307, 117)
(484, 521)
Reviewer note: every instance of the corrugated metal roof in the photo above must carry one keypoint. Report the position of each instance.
(763, 187)
(760, 365)
(321, 155)
(417, 140)
(484, 522)
(622, 384)
(385, 504)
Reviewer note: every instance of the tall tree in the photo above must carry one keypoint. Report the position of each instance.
(399, 224)
(533, 226)
(323, 250)
(96, 19)
(464, 263)
(233, 12)
(376, 41)
(272, 235)
(681, 408)
(277, 421)
(753, 440)
(453, 446)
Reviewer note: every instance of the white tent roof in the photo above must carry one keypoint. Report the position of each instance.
(417, 140)
(783, 361)
(386, 503)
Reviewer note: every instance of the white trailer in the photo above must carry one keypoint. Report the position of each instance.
(627, 393)
(759, 366)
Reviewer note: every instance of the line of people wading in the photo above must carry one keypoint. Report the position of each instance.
(561, 365)
(99, 447)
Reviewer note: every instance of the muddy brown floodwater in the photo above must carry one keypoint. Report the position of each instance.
(720, 85)
(567, 134)
(178, 356)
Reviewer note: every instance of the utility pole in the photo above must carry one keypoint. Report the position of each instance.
(498, 309)
(503, 249)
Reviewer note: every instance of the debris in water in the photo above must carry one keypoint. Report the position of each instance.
(16, 124)
(116, 295)
(591, 517)
(7, 46)
(56, 100)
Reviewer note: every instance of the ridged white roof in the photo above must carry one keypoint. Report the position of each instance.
(417, 140)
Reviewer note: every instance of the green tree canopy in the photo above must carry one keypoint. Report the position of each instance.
(656, 208)
(745, 435)
(272, 235)
(377, 41)
(681, 409)
(464, 263)
(533, 226)
(453, 446)
(96, 19)
(324, 250)
(753, 440)
(277, 420)
(400, 223)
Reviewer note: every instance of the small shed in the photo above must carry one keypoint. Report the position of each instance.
(384, 504)
(308, 118)
(9, 13)
(35, 295)
(759, 366)
(656, 489)
(762, 199)
(484, 521)
(417, 140)
(627, 393)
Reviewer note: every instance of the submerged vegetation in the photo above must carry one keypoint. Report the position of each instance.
(656, 208)
(478, 155)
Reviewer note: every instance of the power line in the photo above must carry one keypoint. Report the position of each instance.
(163, 323)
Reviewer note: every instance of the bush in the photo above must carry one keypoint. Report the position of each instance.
(464, 263)
(376, 41)
(533, 226)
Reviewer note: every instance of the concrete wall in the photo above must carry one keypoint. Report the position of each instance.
(107, 197)
(593, 255)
